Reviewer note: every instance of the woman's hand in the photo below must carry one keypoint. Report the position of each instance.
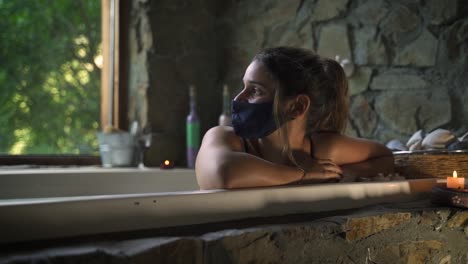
(322, 170)
(317, 170)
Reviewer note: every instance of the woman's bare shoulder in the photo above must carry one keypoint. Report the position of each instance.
(323, 143)
(346, 149)
(223, 136)
(332, 138)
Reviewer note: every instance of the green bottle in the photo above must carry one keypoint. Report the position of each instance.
(193, 130)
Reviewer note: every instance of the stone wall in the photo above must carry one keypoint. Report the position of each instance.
(370, 235)
(409, 56)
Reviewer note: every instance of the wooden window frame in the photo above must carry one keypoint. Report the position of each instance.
(120, 104)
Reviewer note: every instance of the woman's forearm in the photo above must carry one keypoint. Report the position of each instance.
(241, 170)
(370, 167)
(229, 170)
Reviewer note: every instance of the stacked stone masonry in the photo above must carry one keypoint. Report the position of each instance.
(371, 235)
(409, 56)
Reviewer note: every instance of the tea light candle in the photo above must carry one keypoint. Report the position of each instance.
(167, 164)
(455, 182)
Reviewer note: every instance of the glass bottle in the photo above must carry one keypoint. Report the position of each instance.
(225, 117)
(193, 130)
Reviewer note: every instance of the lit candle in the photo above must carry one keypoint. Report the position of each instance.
(455, 182)
(167, 164)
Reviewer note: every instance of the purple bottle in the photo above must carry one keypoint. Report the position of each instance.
(193, 130)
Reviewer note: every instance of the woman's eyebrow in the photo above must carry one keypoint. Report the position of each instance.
(255, 82)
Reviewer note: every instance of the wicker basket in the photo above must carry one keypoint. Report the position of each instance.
(431, 164)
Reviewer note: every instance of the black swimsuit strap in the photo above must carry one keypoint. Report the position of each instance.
(248, 145)
(245, 145)
(311, 147)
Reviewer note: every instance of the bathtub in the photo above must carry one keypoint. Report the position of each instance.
(58, 203)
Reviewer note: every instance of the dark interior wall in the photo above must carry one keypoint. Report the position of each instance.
(179, 51)
(409, 57)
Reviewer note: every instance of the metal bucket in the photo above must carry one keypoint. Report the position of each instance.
(117, 149)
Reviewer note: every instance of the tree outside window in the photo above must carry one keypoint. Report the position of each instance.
(50, 59)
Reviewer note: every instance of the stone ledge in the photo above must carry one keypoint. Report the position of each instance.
(362, 227)
(398, 233)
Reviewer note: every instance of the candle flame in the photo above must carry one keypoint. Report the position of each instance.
(455, 174)
(166, 162)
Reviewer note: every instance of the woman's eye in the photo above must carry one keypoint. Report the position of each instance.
(252, 91)
(257, 91)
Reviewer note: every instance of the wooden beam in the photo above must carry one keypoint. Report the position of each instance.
(116, 105)
(120, 96)
(105, 93)
(123, 52)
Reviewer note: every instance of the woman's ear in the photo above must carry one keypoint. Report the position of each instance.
(299, 106)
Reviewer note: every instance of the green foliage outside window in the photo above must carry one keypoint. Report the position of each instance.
(49, 76)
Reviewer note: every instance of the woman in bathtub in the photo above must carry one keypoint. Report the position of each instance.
(288, 121)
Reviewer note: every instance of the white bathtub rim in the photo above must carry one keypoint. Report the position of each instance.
(117, 213)
(276, 189)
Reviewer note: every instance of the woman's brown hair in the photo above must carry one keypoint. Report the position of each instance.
(300, 71)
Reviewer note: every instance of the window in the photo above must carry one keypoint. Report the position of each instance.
(51, 86)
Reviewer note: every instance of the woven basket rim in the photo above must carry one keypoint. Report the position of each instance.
(431, 152)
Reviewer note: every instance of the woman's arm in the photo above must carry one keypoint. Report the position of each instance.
(369, 168)
(221, 164)
(356, 156)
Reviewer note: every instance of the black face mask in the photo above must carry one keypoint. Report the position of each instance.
(253, 120)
